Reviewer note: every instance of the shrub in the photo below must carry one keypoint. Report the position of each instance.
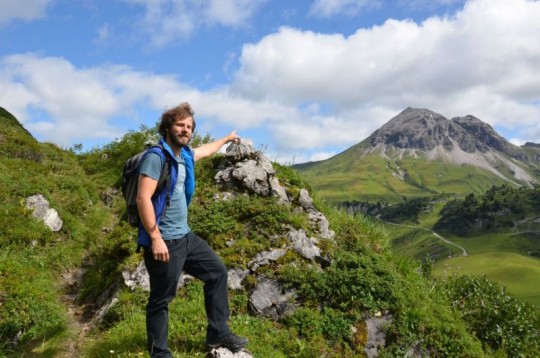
(501, 322)
(30, 308)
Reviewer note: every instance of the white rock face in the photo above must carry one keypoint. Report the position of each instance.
(41, 210)
(225, 353)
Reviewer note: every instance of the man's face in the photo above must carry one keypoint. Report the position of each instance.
(181, 132)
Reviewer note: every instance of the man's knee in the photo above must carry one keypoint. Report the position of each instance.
(221, 271)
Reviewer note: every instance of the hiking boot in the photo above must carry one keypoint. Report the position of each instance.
(230, 341)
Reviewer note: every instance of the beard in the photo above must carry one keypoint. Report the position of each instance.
(180, 140)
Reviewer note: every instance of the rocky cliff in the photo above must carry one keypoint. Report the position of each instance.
(460, 140)
(426, 130)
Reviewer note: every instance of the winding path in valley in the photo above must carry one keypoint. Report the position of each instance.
(432, 232)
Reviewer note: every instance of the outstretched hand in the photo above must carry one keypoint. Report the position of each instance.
(233, 137)
(209, 149)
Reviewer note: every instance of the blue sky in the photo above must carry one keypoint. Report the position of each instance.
(304, 80)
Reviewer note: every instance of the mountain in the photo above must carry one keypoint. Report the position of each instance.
(419, 153)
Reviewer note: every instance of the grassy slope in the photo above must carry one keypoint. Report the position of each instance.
(518, 273)
(502, 257)
(349, 177)
(254, 224)
(33, 258)
(345, 177)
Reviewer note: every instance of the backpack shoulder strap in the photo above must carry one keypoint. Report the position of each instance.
(166, 170)
(165, 176)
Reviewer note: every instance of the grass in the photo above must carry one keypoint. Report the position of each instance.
(348, 176)
(518, 273)
(420, 244)
(187, 330)
(498, 242)
(503, 256)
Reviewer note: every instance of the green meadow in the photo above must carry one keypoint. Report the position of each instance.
(372, 178)
(519, 274)
(502, 257)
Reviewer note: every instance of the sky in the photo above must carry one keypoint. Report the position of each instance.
(303, 80)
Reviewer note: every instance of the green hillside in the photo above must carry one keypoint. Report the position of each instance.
(517, 273)
(45, 311)
(370, 178)
(33, 258)
(500, 208)
(499, 230)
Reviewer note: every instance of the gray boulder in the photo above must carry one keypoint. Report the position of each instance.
(303, 245)
(376, 335)
(264, 258)
(41, 210)
(270, 299)
(317, 220)
(225, 353)
(250, 171)
(235, 278)
(242, 150)
(137, 278)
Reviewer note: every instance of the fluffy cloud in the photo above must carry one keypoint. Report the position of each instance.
(22, 10)
(483, 61)
(72, 103)
(308, 92)
(166, 21)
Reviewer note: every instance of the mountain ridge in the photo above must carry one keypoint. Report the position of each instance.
(429, 139)
(425, 129)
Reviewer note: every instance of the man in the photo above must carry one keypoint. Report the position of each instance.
(169, 245)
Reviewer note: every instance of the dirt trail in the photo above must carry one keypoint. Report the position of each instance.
(80, 322)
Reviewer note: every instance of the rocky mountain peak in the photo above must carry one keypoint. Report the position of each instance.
(425, 130)
(414, 129)
(484, 136)
(531, 145)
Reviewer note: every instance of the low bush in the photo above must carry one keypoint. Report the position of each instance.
(505, 325)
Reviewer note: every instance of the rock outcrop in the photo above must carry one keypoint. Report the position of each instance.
(270, 299)
(250, 171)
(41, 209)
(424, 129)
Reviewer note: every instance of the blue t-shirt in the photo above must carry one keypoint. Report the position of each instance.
(174, 225)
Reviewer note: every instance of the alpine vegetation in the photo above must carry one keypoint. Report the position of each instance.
(305, 278)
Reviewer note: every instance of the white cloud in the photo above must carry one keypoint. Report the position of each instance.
(166, 21)
(310, 93)
(516, 141)
(75, 103)
(231, 12)
(483, 61)
(22, 10)
(85, 103)
(329, 8)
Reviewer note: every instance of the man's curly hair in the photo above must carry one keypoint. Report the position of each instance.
(182, 111)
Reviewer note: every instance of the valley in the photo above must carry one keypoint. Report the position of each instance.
(501, 257)
(450, 191)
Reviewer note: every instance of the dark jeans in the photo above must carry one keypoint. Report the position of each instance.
(193, 255)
